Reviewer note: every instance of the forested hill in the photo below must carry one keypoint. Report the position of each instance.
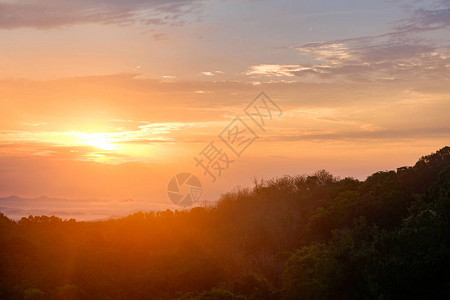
(303, 237)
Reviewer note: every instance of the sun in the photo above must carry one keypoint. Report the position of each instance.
(99, 140)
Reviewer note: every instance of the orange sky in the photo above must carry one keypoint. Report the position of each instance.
(113, 104)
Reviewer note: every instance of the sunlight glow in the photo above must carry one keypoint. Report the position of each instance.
(102, 141)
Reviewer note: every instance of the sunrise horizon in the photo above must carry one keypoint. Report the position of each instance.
(112, 100)
(224, 149)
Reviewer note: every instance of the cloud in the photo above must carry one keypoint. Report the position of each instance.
(397, 134)
(35, 124)
(45, 14)
(123, 100)
(425, 19)
(210, 73)
(408, 52)
(276, 70)
(385, 57)
(379, 57)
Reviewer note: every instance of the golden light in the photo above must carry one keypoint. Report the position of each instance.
(102, 141)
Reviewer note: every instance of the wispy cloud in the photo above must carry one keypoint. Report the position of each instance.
(210, 73)
(35, 124)
(397, 134)
(403, 53)
(367, 58)
(276, 70)
(53, 13)
(96, 146)
(425, 19)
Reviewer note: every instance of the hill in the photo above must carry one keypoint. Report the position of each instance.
(303, 237)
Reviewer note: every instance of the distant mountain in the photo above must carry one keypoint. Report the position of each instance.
(89, 209)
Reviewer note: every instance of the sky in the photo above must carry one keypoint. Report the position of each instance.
(111, 99)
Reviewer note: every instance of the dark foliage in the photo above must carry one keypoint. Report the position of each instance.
(303, 237)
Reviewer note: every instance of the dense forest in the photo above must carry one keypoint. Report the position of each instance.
(302, 237)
